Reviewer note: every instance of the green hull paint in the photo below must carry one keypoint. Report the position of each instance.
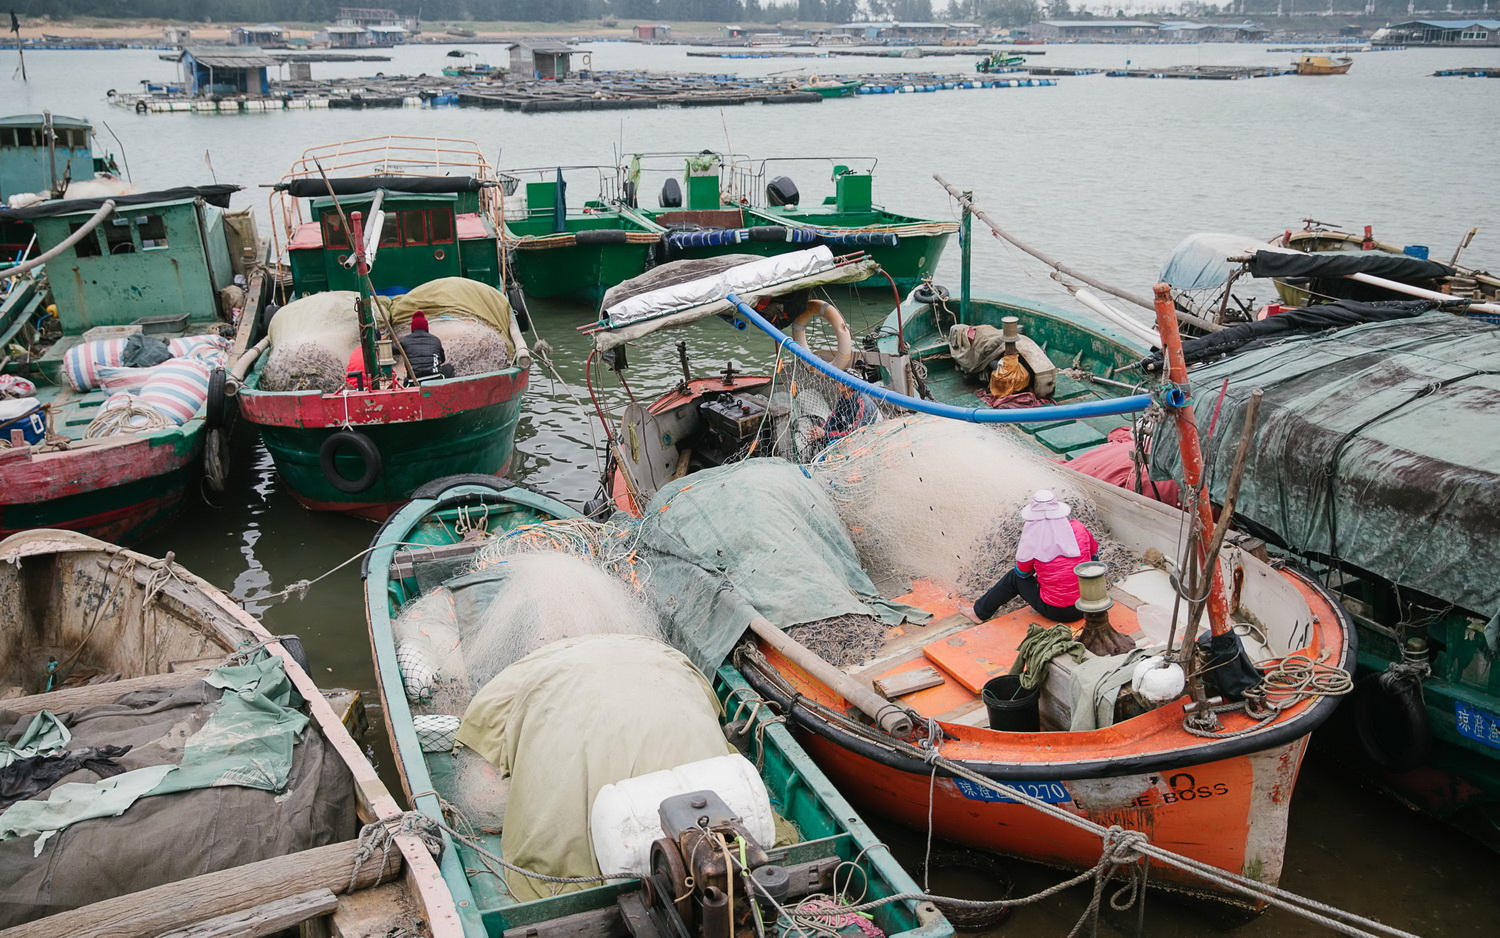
(799, 790)
(581, 271)
(412, 453)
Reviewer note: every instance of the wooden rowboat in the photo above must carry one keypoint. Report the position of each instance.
(148, 634)
(1324, 65)
(422, 545)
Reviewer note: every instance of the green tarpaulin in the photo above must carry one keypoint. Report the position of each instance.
(1375, 446)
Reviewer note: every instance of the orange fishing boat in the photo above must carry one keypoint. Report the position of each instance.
(1203, 769)
(1323, 65)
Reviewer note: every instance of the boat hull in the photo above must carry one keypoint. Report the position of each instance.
(1231, 813)
(466, 425)
(580, 272)
(909, 262)
(120, 492)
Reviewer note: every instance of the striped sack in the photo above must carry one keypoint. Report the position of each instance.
(82, 362)
(125, 379)
(188, 344)
(177, 388)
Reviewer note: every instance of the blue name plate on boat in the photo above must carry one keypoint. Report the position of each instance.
(1477, 724)
(1050, 792)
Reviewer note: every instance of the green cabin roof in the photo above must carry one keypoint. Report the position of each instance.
(40, 120)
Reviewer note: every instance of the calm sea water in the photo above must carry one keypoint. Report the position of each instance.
(1106, 174)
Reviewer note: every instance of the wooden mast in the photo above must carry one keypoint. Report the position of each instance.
(366, 317)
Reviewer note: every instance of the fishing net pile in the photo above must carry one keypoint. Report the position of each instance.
(311, 341)
(925, 497)
(471, 318)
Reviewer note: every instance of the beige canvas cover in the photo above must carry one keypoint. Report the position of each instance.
(572, 717)
(455, 296)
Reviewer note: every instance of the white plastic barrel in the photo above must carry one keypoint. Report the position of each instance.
(624, 821)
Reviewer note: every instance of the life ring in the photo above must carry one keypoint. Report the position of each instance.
(843, 357)
(1391, 722)
(930, 293)
(363, 445)
(140, 107)
(213, 415)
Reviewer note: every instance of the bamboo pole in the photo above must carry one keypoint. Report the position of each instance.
(1231, 494)
(890, 717)
(1192, 452)
(1060, 267)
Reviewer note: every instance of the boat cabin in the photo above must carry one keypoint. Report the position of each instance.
(159, 255)
(38, 152)
(423, 236)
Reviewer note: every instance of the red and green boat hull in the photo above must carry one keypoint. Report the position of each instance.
(120, 491)
(442, 428)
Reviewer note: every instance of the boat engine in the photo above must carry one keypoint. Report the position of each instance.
(731, 422)
(782, 191)
(706, 857)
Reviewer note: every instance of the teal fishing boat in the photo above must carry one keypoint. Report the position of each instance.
(712, 204)
(574, 254)
(459, 550)
(391, 227)
(114, 365)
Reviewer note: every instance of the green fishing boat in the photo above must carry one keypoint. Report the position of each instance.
(108, 400)
(444, 545)
(1068, 358)
(728, 204)
(361, 437)
(998, 61)
(577, 254)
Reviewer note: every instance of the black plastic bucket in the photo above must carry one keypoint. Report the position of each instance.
(1012, 710)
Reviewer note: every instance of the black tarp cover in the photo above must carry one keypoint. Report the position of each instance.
(1376, 445)
(1303, 321)
(1339, 263)
(359, 185)
(214, 195)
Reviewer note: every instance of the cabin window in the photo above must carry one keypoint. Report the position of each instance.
(440, 226)
(26, 137)
(414, 227)
(117, 238)
(7, 137)
(153, 231)
(89, 246)
(1474, 35)
(334, 235)
(390, 231)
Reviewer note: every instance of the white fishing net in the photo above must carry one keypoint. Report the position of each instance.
(311, 341)
(927, 497)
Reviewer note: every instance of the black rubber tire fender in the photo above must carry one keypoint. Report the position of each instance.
(768, 233)
(936, 293)
(213, 416)
(1386, 705)
(216, 460)
(328, 452)
(141, 108)
(517, 298)
(601, 236)
(991, 867)
(435, 487)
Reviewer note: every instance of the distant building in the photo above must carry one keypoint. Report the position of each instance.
(653, 33)
(1065, 30)
(387, 35)
(546, 60)
(1211, 32)
(210, 70)
(264, 35)
(904, 31)
(176, 35)
(1483, 33)
(365, 17)
(342, 37)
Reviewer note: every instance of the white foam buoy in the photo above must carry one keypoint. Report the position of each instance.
(623, 823)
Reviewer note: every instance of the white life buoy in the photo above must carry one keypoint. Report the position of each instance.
(843, 356)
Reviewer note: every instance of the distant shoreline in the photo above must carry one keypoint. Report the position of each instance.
(142, 30)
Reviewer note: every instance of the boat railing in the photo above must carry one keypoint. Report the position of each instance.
(747, 178)
(391, 155)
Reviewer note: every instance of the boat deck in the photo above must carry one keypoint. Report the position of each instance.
(1064, 438)
(967, 653)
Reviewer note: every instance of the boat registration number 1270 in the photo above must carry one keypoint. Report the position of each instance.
(1477, 724)
(1050, 792)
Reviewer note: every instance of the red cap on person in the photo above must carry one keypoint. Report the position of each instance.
(419, 320)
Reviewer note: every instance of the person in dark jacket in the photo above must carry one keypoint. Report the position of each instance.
(425, 350)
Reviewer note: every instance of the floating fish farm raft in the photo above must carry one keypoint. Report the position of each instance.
(1204, 72)
(592, 91)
